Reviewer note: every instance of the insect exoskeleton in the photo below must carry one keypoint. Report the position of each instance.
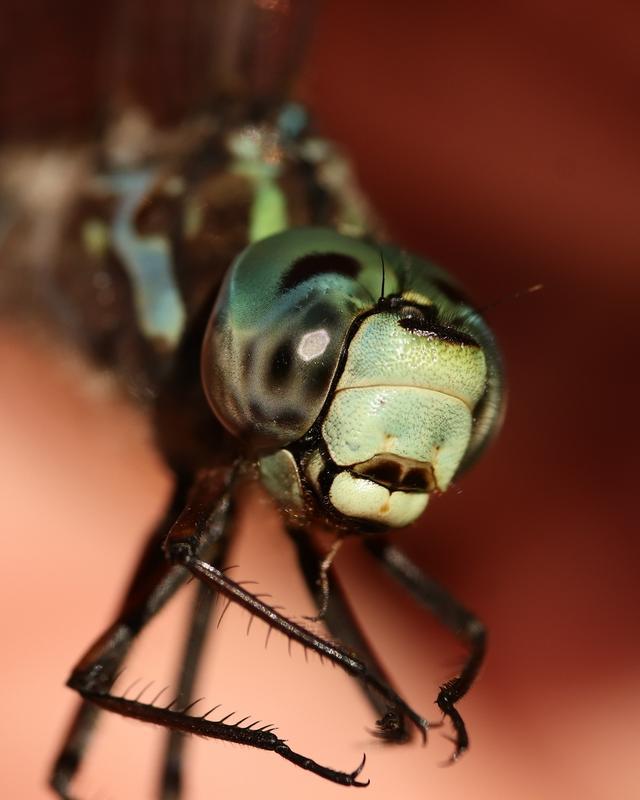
(356, 373)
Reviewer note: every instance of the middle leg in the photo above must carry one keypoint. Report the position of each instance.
(339, 618)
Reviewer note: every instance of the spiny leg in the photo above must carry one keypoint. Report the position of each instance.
(154, 582)
(94, 675)
(261, 738)
(182, 549)
(454, 616)
(344, 626)
(170, 786)
(198, 627)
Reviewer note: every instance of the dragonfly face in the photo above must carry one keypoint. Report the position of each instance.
(359, 405)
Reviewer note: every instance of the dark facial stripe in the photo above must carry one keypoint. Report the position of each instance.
(422, 321)
(439, 331)
(319, 264)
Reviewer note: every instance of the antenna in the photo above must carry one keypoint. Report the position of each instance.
(382, 287)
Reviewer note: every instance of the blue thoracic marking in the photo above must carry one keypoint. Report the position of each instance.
(292, 120)
(148, 262)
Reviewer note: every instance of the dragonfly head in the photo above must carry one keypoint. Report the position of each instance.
(354, 404)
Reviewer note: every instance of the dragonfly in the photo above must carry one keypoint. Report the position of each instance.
(230, 271)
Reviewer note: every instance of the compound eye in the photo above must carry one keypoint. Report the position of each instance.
(279, 326)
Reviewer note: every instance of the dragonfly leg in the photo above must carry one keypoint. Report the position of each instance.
(202, 521)
(339, 618)
(153, 584)
(198, 627)
(181, 549)
(454, 616)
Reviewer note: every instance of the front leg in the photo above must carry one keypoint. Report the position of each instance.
(452, 614)
(344, 626)
(181, 547)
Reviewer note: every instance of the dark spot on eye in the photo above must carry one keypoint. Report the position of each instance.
(290, 417)
(248, 358)
(319, 264)
(321, 313)
(281, 363)
(258, 413)
(387, 472)
(416, 479)
(318, 380)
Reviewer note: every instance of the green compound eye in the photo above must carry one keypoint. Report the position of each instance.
(399, 391)
(279, 327)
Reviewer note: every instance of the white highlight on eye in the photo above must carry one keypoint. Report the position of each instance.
(313, 344)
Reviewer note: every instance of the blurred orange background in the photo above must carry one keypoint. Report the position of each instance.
(503, 143)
